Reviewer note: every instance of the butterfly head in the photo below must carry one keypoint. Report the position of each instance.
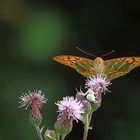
(99, 60)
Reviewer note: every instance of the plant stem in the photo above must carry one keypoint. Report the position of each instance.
(62, 137)
(86, 129)
(57, 137)
(38, 133)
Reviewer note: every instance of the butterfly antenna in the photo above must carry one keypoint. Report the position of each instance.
(107, 53)
(85, 52)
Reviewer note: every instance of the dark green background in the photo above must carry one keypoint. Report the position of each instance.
(32, 32)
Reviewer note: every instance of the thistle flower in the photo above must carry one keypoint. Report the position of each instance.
(27, 99)
(98, 83)
(69, 109)
(33, 100)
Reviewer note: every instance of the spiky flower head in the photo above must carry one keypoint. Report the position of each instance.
(96, 86)
(28, 99)
(33, 100)
(69, 109)
(98, 83)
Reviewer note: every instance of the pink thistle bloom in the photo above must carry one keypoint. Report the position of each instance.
(70, 108)
(36, 97)
(98, 83)
(34, 101)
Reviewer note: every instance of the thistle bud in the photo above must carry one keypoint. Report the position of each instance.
(50, 135)
(80, 95)
(35, 116)
(63, 126)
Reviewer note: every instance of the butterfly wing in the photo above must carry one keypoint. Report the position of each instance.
(120, 66)
(82, 65)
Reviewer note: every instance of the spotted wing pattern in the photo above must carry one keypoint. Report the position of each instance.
(120, 66)
(114, 68)
(82, 65)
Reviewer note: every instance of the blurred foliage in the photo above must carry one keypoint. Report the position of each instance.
(41, 34)
(32, 32)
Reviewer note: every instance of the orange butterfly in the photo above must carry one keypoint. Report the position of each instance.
(113, 68)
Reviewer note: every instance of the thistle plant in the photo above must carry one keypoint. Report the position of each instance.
(99, 72)
(75, 108)
(33, 101)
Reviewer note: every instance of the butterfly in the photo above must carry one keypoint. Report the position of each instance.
(113, 68)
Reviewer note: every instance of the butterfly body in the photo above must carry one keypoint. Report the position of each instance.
(113, 68)
(99, 65)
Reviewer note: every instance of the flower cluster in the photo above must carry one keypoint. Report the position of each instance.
(70, 109)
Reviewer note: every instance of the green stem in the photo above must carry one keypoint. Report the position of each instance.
(38, 133)
(87, 120)
(62, 137)
(57, 137)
